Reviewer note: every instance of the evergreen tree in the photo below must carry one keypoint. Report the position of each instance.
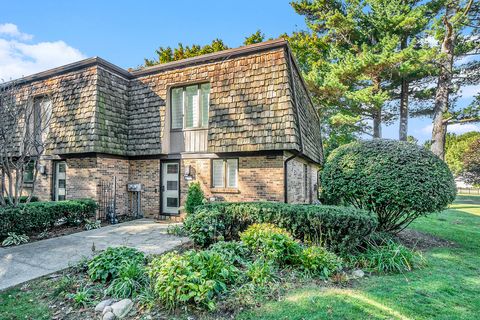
(457, 30)
(353, 52)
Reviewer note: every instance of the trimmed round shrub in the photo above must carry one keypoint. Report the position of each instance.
(398, 181)
(339, 229)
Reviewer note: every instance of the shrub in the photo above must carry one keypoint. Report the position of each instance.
(319, 261)
(233, 252)
(387, 257)
(38, 216)
(92, 224)
(14, 239)
(195, 197)
(23, 199)
(260, 272)
(129, 282)
(205, 226)
(398, 181)
(272, 243)
(337, 228)
(108, 264)
(191, 278)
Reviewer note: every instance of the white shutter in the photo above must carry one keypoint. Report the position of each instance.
(191, 107)
(177, 108)
(218, 174)
(232, 173)
(204, 103)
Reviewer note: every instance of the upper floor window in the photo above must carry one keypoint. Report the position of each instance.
(40, 117)
(189, 106)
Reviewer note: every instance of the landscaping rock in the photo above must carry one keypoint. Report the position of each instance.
(108, 316)
(358, 273)
(99, 307)
(122, 308)
(107, 309)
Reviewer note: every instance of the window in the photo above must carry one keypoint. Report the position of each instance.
(189, 106)
(225, 173)
(28, 173)
(42, 111)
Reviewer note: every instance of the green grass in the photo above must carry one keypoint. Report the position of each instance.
(27, 303)
(447, 288)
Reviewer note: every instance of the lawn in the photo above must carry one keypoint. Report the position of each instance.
(446, 289)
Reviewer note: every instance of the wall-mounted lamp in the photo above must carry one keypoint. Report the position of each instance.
(188, 176)
(41, 169)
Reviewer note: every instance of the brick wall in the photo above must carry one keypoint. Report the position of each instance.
(301, 181)
(107, 168)
(260, 178)
(81, 178)
(147, 172)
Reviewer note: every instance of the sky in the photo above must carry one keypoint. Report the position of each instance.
(39, 35)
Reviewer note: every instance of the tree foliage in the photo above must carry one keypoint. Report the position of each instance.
(168, 54)
(456, 148)
(471, 163)
(399, 181)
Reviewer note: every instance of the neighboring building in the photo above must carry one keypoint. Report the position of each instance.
(239, 121)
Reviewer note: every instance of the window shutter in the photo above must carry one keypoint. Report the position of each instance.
(204, 103)
(191, 107)
(177, 108)
(218, 174)
(232, 175)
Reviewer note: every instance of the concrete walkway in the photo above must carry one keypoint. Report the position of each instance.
(32, 260)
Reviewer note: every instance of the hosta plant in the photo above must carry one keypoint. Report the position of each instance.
(14, 239)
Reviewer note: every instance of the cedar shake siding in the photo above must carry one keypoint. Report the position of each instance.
(108, 122)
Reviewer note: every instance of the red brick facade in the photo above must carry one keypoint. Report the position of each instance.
(260, 178)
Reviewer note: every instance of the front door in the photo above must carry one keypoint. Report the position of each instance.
(60, 188)
(170, 187)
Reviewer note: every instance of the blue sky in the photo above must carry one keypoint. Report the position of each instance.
(38, 35)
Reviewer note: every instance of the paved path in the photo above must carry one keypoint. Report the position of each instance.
(32, 260)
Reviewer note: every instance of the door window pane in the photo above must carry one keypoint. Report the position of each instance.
(177, 108)
(232, 173)
(172, 185)
(172, 168)
(172, 202)
(218, 174)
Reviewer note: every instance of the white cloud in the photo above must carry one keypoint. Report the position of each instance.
(11, 30)
(19, 58)
(455, 128)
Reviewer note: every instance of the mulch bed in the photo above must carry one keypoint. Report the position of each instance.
(423, 241)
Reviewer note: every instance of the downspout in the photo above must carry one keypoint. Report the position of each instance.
(294, 98)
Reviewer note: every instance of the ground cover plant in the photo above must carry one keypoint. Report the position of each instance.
(398, 181)
(337, 228)
(446, 288)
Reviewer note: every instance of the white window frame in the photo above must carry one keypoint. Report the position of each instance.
(226, 177)
(184, 106)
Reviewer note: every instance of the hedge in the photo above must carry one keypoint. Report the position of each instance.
(23, 199)
(337, 228)
(38, 216)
